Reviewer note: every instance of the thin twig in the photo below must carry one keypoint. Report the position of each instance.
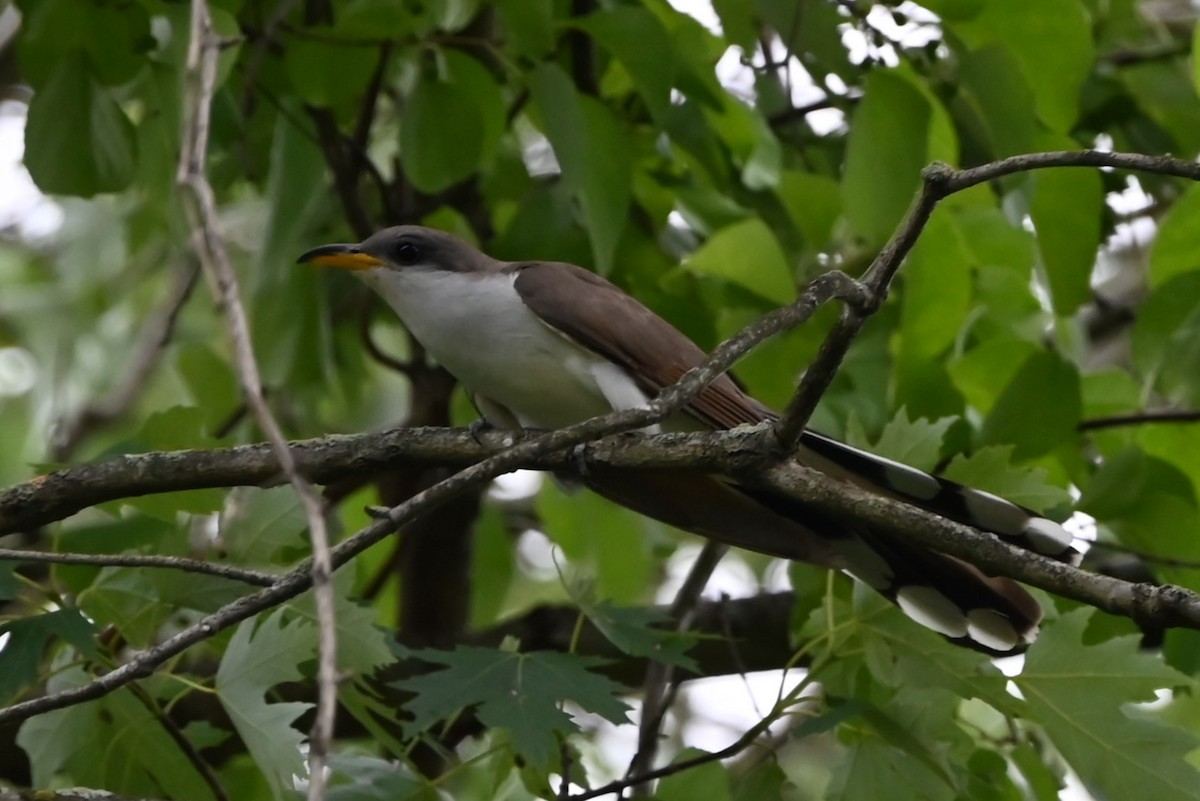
(141, 560)
(740, 744)
(939, 181)
(183, 743)
(155, 335)
(1139, 419)
(372, 347)
(1146, 556)
(658, 687)
(200, 203)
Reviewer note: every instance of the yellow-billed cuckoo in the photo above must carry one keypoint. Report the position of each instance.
(547, 344)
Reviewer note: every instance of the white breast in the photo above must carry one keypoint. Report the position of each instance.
(479, 329)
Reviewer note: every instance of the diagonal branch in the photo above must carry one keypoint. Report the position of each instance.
(300, 578)
(200, 204)
(155, 335)
(140, 560)
(939, 181)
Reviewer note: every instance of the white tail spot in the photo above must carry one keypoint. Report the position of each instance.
(1046, 536)
(992, 630)
(865, 564)
(932, 610)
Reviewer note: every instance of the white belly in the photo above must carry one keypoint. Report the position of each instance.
(479, 329)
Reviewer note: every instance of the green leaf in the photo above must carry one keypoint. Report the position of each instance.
(180, 589)
(1043, 782)
(887, 147)
(115, 743)
(937, 289)
(1160, 521)
(904, 656)
(1163, 95)
(295, 356)
(936, 300)
(27, 640)
(812, 29)
(755, 147)
(1066, 211)
(914, 442)
(995, 88)
(492, 566)
(1173, 251)
(983, 372)
(594, 155)
(261, 523)
(529, 24)
(637, 39)
(709, 781)
(368, 778)
(452, 123)
(991, 469)
(1196, 59)
(522, 693)
(453, 15)
(126, 598)
(1052, 42)
(600, 537)
(1174, 444)
(177, 428)
(813, 202)
(1117, 484)
(738, 22)
(1166, 338)
(636, 631)
(211, 382)
(763, 783)
(361, 19)
(326, 73)
(747, 254)
(173, 429)
(871, 768)
(362, 645)
(1081, 694)
(78, 140)
(10, 585)
(1038, 410)
(113, 39)
(988, 778)
(258, 658)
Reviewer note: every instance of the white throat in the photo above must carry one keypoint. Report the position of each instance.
(477, 326)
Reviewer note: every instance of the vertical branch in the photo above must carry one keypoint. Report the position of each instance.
(201, 208)
(878, 278)
(658, 689)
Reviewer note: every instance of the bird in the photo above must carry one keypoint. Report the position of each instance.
(546, 344)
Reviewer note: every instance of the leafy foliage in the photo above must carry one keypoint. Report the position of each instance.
(711, 170)
(522, 693)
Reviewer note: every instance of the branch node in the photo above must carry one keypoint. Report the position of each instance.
(937, 176)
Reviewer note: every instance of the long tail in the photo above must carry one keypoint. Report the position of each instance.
(983, 510)
(988, 613)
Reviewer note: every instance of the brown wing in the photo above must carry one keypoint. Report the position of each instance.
(656, 354)
(994, 615)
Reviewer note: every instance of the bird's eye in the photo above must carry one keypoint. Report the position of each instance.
(407, 252)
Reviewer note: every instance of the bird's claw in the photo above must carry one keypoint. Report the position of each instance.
(478, 427)
(579, 458)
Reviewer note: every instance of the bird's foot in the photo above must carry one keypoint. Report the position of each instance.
(478, 427)
(579, 458)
